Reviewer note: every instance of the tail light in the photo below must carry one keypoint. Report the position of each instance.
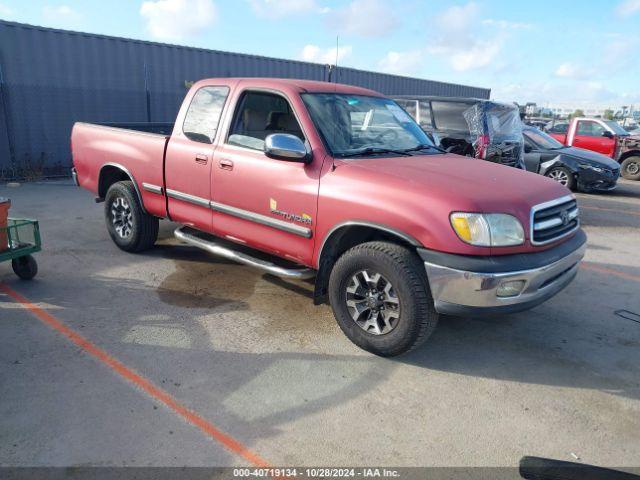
(481, 146)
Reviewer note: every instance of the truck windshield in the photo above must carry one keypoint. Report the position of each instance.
(616, 127)
(359, 125)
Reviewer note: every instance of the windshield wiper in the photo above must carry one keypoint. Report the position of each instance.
(424, 146)
(373, 151)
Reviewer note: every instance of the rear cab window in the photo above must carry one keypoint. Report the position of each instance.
(259, 114)
(203, 115)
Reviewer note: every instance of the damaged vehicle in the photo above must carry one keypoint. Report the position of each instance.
(471, 127)
(603, 136)
(575, 168)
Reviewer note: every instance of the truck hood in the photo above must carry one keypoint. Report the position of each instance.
(456, 183)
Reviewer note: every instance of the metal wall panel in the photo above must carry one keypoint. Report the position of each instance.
(53, 78)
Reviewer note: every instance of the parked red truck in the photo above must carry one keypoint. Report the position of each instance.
(602, 136)
(337, 183)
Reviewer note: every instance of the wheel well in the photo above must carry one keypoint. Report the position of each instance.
(344, 238)
(630, 153)
(110, 174)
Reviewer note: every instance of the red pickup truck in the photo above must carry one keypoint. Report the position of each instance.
(602, 136)
(309, 179)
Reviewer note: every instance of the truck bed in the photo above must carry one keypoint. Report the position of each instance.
(135, 148)
(161, 128)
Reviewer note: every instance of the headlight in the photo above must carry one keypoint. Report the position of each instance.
(488, 229)
(588, 166)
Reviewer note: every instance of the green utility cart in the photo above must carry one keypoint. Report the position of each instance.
(19, 239)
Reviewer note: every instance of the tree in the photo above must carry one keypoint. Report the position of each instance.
(577, 113)
(608, 114)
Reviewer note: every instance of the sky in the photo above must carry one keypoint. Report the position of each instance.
(552, 52)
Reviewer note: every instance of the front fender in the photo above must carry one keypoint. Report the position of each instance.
(558, 161)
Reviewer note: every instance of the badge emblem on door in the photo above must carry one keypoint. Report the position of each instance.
(292, 217)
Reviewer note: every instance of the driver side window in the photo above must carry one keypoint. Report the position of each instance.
(258, 115)
(590, 129)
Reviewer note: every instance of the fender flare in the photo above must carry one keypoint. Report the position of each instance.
(324, 265)
(124, 170)
(375, 226)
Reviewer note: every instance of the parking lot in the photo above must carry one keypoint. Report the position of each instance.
(174, 357)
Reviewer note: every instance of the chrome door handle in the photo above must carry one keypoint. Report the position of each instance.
(202, 159)
(225, 164)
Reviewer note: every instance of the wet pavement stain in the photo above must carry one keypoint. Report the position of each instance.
(201, 280)
(204, 281)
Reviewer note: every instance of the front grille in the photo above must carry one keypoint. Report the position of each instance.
(553, 220)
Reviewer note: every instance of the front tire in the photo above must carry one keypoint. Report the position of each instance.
(563, 176)
(381, 299)
(630, 168)
(130, 228)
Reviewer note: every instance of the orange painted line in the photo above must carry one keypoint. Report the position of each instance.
(610, 271)
(146, 385)
(625, 212)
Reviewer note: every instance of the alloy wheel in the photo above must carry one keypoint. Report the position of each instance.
(633, 168)
(121, 217)
(372, 302)
(559, 176)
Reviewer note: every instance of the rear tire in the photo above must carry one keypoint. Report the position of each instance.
(130, 228)
(630, 168)
(25, 267)
(381, 299)
(563, 176)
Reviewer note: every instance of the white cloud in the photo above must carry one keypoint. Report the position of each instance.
(5, 11)
(461, 42)
(313, 53)
(283, 8)
(568, 70)
(506, 25)
(480, 54)
(366, 18)
(402, 63)
(62, 16)
(177, 19)
(581, 93)
(574, 70)
(628, 8)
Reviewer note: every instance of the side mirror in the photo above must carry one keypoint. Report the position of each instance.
(287, 147)
(527, 148)
(607, 134)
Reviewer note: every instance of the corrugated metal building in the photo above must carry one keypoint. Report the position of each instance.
(50, 79)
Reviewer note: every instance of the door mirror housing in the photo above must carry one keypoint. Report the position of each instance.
(527, 148)
(287, 147)
(607, 134)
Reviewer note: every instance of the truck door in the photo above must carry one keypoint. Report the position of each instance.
(189, 157)
(265, 203)
(591, 135)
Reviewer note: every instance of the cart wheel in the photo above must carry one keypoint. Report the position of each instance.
(25, 267)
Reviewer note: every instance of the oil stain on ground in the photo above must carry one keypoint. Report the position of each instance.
(201, 280)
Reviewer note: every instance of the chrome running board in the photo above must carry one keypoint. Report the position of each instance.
(240, 257)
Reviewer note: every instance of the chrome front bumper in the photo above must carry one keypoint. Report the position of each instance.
(461, 292)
